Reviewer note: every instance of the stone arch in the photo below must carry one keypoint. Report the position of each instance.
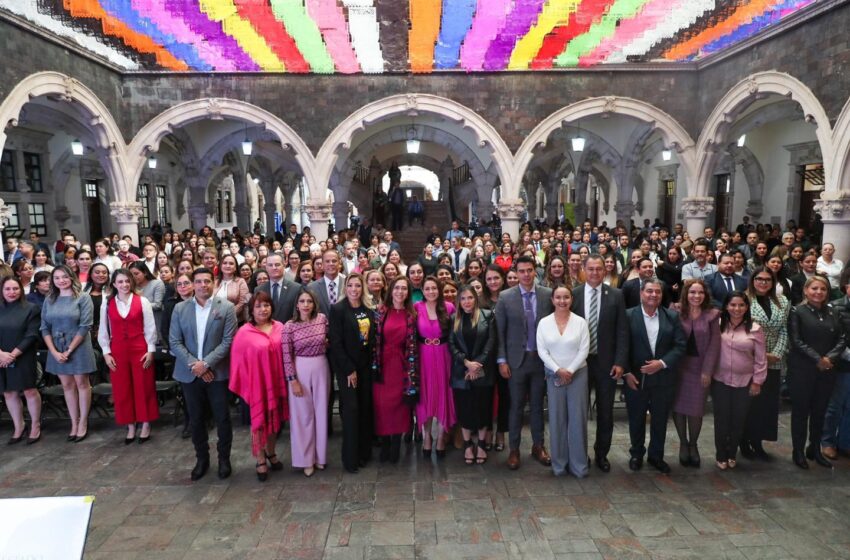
(110, 143)
(742, 95)
(841, 147)
(674, 134)
(148, 138)
(410, 104)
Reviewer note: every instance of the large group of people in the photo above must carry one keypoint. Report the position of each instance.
(448, 350)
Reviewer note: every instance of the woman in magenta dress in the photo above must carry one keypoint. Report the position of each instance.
(433, 323)
(397, 364)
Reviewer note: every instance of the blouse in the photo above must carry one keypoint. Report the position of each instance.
(569, 350)
(306, 339)
(104, 333)
(743, 357)
(831, 270)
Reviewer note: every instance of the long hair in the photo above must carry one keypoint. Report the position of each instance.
(487, 294)
(90, 284)
(408, 301)
(751, 284)
(684, 305)
(220, 276)
(725, 320)
(125, 272)
(476, 310)
(76, 288)
(143, 268)
(442, 313)
(548, 279)
(365, 300)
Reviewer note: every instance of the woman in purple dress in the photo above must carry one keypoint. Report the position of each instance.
(702, 330)
(397, 365)
(433, 324)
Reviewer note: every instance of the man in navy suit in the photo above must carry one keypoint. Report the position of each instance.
(656, 345)
(724, 280)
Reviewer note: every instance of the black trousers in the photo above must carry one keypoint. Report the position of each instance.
(763, 415)
(810, 391)
(503, 412)
(358, 425)
(216, 394)
(606, 389)
(657, 401)
(730, 415)
(398, 217)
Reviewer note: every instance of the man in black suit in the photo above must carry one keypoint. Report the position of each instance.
(656, 345)
(605, 312)
(284, 292)
(724, 280)
(631, 289)
(624, 252)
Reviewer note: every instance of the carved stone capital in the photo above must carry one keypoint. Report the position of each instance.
(126, 212)
(5, 214)
(61, 215)
(512, 209)
(697, 207)
(833, 207)
(317, 211)
(269, 207)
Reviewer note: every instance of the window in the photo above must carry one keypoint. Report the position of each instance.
(161, 205)
(14, 222)
(37, 222)
(142, 196)
(7, 171)
(91, 188)
(32, 171)
(224, 206)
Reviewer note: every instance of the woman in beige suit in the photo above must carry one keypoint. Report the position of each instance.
(232, 287)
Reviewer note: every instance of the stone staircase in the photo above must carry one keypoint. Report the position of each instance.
(412, 238)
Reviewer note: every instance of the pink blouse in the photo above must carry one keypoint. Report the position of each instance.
(303, 339)
(743, 357)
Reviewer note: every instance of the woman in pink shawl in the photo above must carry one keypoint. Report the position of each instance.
(256, 375)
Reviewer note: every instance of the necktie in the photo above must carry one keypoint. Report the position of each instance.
(275, 292)
(531, 335)
(332, 292)
(729, 285)
(593, 319)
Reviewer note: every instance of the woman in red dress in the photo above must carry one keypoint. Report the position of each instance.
(397, 364)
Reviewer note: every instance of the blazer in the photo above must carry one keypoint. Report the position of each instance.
(706, 329)
(631, 293)
(717, 287)
(347, 353)
(510, 322)
(183, 339)
(814, 334)
(237, 294)
(481, 352)
(669, 346)
(320, 289)
(612, 339)
(284, 307)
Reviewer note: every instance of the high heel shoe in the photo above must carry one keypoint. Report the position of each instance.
(684, 454)
(32, 440)
(426, 453)
(262, 476)
(13, 440)
(693, 451)
(81, 438)
(467, 445)
(143, 439)
(274, 463)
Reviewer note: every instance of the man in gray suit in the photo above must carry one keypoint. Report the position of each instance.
(201, 332)
(284, 292)
(518, 312)
(328, 288)
(609, 353)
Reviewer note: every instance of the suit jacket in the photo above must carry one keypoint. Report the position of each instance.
(624, 256)
(510, 322)
(348, 353)
(284, 307)
(481, 352)
(717, 286)
(612, 340)
(669, 346)
(320, 288)
(183, 339)
(631, 293)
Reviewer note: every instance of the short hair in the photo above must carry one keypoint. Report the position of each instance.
(653, 280)
(725, 256)
(594, 257)
(17, 281)
(258, 296)
(201, 270)
(524, 259)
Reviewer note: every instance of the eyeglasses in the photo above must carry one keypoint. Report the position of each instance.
(762, 279)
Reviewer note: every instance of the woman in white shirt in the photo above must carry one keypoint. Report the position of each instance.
(829, 266)
(127, 335)
(563, 342)
(103, 250)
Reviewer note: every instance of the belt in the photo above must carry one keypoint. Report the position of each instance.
(433, 341)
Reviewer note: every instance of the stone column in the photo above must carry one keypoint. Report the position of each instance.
(197, 215)
(243, 216)
(5, 214)
(581, 209)
(340, 211)
(834, 209)
(625, 209)
(126, 214)
(319, 213)
(696, 210)
(270, 208)
(510, 212)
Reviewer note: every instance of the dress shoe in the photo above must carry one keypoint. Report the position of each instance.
(693, 451)
(201, 468)
(747, 451)
(821, 460)
(186, 433)
(810, 452)
(759, 452)
(829, 452)
(603, 464)
(513, 459)
(660, 465)
(800, 460)
(539, 453)
(636, 463)
(224, 468)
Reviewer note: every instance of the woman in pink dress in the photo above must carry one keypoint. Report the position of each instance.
(256, 375)
(433, 324)
(397, 366)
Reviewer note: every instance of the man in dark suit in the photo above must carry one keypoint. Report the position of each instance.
(284, 292)
(624, 252)
(202, 366)
(631, 289)
(518, 312)
(656, 345)
(724, 280)
(604, 310)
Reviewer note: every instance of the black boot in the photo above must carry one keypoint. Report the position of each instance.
(759, 452)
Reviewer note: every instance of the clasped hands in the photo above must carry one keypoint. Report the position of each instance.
(825, 364)
(6, 359)
(474, 370)
(201, 371)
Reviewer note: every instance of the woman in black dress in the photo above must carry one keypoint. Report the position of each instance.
(19, 339)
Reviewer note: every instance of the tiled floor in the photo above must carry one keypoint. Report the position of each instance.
(146, 507)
